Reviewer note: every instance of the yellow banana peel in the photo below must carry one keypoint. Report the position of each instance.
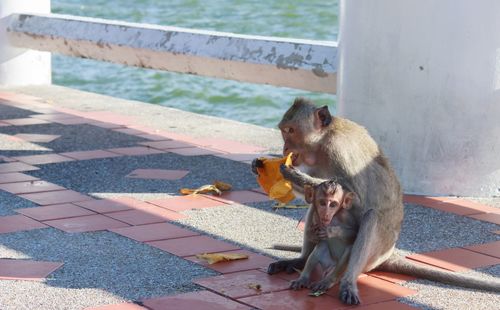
(216, 188)
(213, 258)
(271, 180)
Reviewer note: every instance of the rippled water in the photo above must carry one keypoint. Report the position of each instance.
(252, 103)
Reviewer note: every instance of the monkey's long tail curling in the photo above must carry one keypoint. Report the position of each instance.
(290, 248)
(397, 264)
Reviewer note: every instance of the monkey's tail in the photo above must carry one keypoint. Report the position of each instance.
(397, 264)
(290, 248)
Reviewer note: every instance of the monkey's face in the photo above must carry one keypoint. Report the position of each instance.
(329, 199)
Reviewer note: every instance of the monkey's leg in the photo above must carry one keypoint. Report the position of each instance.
(316, 256)
(332, 277)
(307, 247)
(364, 247)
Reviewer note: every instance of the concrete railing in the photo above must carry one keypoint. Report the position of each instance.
(303, 64)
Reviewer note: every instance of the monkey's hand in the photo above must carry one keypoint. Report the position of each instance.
(313, 233)
(257, 163)
(323, 285)
(324, 233)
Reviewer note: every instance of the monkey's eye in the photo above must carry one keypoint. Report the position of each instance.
(288, 130)
(334, 204)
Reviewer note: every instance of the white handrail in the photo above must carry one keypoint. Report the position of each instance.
(303, 64)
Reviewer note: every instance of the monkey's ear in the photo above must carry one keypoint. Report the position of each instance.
(308, 193)
(322, 117)
(348, 200)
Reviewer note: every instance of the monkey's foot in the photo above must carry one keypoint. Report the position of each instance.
(289, 266)
(301, 282)
(322, 285)
(349, 293)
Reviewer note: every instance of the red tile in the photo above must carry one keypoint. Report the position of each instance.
(450, 204)
(54, 212)
(487, 217)
(53, 116)
(30, 187)
(86, 155)
(391, 277)
(201, 300)
(15, 177)
(154, 137)
(17, 269)
(150, 215)
(109, 117)
(15, 223)
(125, 306)
(72, 121)
(181, 203)
(16, 167)
(167, 145)
(229, 146)
(194, 151)
(190, 246)
(373, 290)
(154, 232)
(239, 284)
(157, 174)
(455, 259)
(2, 124)
(292, 300)
(491, 249)
(135, 151)
(105, 125)
(6, 159)
(254, 261)
(389, 305)
(86, 223)
(52, 198)
(472, 205)
(130, 131)
(37, 137)
(240, 197)
(25, 121)
(43, 159)
(109, 205)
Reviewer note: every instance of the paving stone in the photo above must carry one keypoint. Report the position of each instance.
(134, 151)
(157, 174)
(145, 216)
(455, 259)
(16, 269)
(55, 212)
(491, 249)
(51, 198)
(16, 223)
(15, 177)
(16, 167)
(487, 217)
(25, 121)
(181, 203)
(195, 300)
(87, 155)
(189, 246)
(154, 232)
(240, 197)
(242, 284)
(37, 137)
(35, 186)
(43, 159)
(124, 306)
(86, 223)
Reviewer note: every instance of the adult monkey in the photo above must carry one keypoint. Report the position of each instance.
(325, 147)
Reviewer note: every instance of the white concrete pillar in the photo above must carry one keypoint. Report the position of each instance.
(424, 77)
(21, 66)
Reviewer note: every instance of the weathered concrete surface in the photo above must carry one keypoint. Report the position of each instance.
(156, 116)
(303, 64)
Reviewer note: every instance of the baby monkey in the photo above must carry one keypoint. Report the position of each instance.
(332, 228)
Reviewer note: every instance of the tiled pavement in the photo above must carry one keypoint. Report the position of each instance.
(21, 118)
